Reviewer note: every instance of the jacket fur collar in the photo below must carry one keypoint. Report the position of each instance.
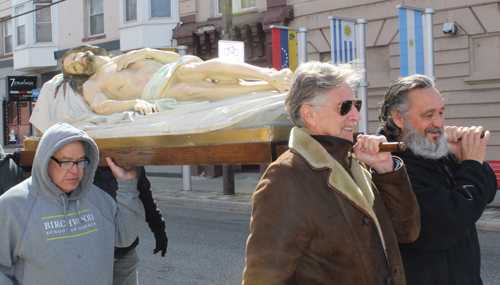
(358, 191)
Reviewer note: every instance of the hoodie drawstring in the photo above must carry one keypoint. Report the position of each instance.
(64, 209)
(66, 212)
(78, 211)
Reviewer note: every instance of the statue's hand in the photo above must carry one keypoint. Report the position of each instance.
(130, 57)
(145, 108)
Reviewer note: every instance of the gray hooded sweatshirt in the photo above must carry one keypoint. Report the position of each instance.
(47, 237)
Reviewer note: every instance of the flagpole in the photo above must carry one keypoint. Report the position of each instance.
(302, 45)
(429, 42)
(363, 84)
(331, 39)
(360, 55)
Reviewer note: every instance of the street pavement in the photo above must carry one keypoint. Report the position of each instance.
(207, 193)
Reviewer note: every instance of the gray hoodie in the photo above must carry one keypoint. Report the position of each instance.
(47, 237)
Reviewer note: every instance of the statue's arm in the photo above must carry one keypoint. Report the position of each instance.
(102, 105)
(138, 55)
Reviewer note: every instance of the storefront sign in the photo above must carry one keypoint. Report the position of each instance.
(34, 96)
(20, 87)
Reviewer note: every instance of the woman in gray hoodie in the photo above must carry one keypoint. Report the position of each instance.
(56, 226)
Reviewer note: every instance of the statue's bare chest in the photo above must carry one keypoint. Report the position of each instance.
(129, 82)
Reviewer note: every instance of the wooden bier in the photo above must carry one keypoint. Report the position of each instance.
(261, 145)
(231, 147)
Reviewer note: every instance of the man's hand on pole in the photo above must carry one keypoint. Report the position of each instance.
(367, 151)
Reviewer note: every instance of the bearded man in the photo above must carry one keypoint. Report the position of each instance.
(451, 180)
(150, 80)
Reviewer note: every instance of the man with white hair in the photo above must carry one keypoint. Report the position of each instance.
(319, 215)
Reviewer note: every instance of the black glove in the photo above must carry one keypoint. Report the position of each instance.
(161, 242)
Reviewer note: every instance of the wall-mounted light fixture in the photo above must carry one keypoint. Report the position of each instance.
(450, 28)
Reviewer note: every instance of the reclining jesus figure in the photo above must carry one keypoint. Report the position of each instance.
(139, 80)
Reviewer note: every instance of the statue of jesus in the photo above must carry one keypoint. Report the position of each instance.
(138, 80)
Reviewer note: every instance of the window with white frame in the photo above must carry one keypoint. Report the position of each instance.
(238, 6)
(130, 10)
(43, 24)
(161, 8)
(7, 37)
(96, 17)
(20, 27)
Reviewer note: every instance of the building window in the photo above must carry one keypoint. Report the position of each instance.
(245, 4)
(96, 17)
(20, 27)
(161, 9)
(238, 6)
(130, 10)
(43, 24)
(7, 36)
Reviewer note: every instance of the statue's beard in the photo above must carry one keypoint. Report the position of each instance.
(89, 66)
(421, 145)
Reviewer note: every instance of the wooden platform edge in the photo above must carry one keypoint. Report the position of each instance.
(222, 154)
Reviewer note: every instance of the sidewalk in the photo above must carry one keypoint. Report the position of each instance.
(208, 193)
(490, 220)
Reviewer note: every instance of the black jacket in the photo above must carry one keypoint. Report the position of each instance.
(10, 173)
(452, 197)
(105, 180)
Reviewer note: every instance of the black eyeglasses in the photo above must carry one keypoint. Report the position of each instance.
(346, 106)
(67, 165)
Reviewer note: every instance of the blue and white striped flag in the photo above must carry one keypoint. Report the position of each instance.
(343, 40)
(411, 43)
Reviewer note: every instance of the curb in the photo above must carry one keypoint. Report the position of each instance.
(488, 225)
(207, 203)
(490, 220)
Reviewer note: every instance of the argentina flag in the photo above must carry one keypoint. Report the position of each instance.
(343, 40)
(411, 44)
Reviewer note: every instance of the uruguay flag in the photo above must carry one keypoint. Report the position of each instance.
(411, 43)
(284, 43)
(343, 40)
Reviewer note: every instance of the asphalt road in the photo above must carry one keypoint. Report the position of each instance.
(205, 247)
(208, 247)
(490, 257)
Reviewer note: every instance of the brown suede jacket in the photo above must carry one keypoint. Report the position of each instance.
(317, 220)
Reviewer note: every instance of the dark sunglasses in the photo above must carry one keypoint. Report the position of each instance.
(67, 165)
(346, 106)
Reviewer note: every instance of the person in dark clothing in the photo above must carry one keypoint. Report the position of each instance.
(11, 174)
(126, 259)
(451, 180)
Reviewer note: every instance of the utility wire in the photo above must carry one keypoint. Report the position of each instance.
(31, 11)
(20, 4)
(11, 0)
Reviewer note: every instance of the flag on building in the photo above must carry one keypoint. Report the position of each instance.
(284, 42)
(343, 40)
(411, 43)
